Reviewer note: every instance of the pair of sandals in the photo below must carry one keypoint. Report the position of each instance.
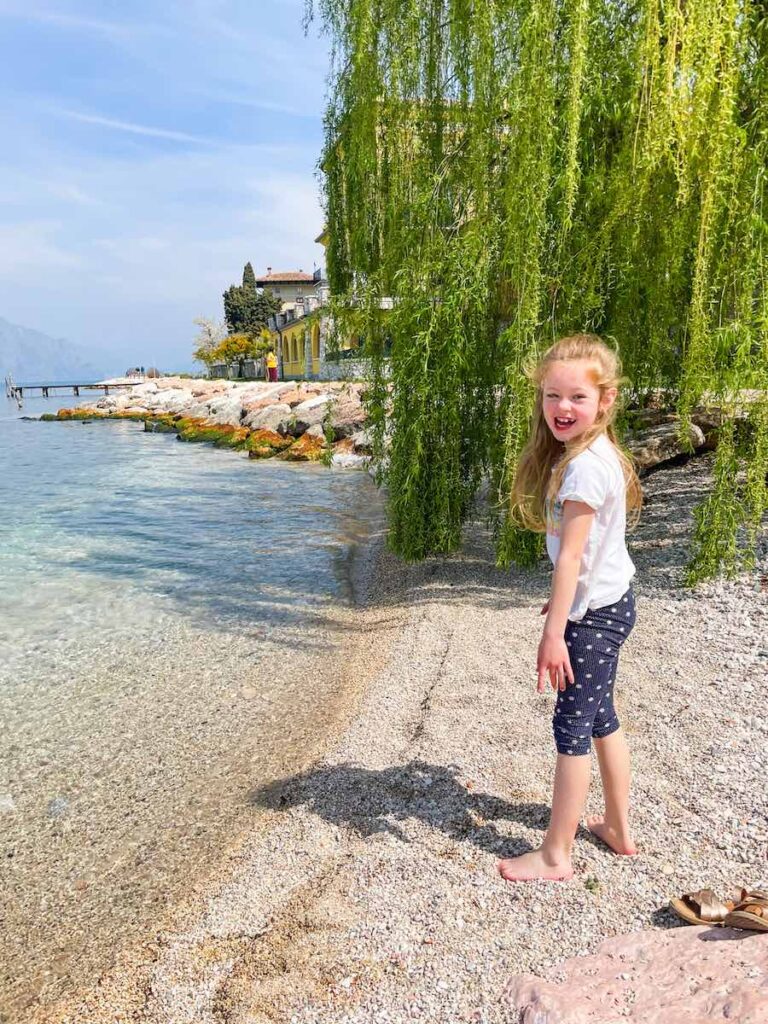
(749, 911)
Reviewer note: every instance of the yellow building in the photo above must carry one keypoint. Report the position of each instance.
(298, 342)
(302, 334)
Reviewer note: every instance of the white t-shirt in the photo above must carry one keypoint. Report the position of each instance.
(595, 477)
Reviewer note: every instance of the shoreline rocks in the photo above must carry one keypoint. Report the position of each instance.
(294, 421)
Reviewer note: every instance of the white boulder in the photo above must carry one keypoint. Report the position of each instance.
(310, 413)
(272, 418)
(225, 409)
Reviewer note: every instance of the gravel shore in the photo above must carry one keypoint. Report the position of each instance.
(371, 895)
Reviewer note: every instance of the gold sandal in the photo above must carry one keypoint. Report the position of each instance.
(750, 912)
(701, 907)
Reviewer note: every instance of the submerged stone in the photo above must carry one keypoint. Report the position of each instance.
(160, 425)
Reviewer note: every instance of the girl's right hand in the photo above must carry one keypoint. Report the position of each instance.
(553, 660)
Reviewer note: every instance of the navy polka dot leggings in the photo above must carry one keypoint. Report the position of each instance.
(585, 707)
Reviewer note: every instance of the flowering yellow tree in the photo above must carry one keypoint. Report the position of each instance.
(234, 348)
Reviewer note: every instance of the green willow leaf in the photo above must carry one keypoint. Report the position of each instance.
(511, 171)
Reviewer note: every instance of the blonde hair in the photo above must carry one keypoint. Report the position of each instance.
(544, 459)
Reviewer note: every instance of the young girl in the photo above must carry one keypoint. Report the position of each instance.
(575, 483)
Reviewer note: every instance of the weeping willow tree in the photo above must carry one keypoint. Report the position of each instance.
(510, 171)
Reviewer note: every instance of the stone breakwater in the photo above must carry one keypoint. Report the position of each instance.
(309, 421)
(294, 421)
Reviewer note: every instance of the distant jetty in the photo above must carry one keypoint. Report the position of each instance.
(296, 421)
(17, 391)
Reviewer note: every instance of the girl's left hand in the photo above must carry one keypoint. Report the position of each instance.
(553, 657)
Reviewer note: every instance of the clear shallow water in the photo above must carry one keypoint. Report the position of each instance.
(200, 531)
(160, 604)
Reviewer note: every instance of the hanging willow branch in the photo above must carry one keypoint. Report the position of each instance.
(513, 170)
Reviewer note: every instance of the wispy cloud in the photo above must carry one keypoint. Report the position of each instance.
(68, 21)
(148, 131)
(135, 129)
(312, 111)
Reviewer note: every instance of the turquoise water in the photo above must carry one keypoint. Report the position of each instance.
(161, 605)
(202, 531)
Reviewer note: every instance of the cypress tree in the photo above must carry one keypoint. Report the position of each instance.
(246, 310)
(249, 278)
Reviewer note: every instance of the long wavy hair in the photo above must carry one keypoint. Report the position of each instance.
(544, 459)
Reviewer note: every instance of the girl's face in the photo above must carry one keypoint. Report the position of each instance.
(570, 398)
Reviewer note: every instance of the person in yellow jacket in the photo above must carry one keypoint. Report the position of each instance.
(271, 363)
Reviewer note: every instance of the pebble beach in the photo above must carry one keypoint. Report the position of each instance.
(368, 891)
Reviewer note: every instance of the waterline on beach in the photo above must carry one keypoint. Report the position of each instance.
(172, 621)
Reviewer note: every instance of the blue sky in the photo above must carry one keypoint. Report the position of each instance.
(150, 150)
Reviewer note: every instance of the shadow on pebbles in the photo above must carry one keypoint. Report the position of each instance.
(371, 893)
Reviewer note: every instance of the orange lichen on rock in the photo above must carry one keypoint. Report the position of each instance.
(264, 444)
(80, 414)
(128, 414)
(221, 434)
(308, 448)
(233, 437)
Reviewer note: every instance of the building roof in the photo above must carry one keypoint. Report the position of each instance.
(284, 277)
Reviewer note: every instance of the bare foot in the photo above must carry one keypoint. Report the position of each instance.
(534, 865)
(619, 842)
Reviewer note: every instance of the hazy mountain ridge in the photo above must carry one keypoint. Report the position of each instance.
(32, 356)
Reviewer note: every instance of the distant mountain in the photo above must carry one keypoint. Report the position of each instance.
(32, 356)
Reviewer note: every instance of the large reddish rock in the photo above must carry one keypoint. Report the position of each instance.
(347, 414)
(293, 396)
(253, 405)
(260, 396)
(689, 975)
(206, 389)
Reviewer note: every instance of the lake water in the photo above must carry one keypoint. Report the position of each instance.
(161, 608)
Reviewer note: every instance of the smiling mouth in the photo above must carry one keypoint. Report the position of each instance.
(563, 424)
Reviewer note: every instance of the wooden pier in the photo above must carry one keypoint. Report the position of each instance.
(18, 391)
